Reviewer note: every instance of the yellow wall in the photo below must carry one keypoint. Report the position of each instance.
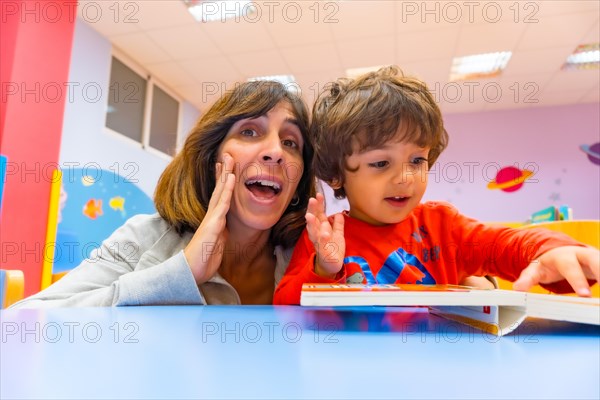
(587, 232)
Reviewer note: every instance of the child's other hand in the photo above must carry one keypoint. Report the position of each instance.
(328, 239)
(572, 263)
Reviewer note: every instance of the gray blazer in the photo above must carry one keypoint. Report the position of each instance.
(141, 263)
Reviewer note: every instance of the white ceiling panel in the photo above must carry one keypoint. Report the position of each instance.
(592, 36)
(154, 14)
(433, 72)
(558, 30)
(560, 7)
(549, 59)
(171, 72)
(140, 47)
(287, 32)
(486, 38)
(359, 53)
(109, 18)
(313, 84)
(557, 98)
(317, 41)
(216, 71)
(184, 43)
(426, 45)
(509, 92)
(568, 80)
(311, 58)
(201, 95)
(358, 19)
(593, 96)
(239, 37)
(260, 63)
(422, 16)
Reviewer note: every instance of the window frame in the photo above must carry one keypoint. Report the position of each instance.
(151, 81)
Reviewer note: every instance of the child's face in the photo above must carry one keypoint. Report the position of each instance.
(389, 183)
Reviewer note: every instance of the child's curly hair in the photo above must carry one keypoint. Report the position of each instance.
(367, 111)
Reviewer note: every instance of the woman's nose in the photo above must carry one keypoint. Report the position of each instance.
(272, 152)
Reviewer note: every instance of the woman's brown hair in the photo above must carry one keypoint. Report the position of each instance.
(367, 111)
(185, 187)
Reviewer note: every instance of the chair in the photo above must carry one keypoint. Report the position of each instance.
(12, 287)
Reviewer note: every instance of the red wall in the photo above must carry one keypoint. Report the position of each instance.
(34, 62)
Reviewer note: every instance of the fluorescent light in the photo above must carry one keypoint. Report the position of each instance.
(479, 65)
(219, 10)
(585, 56)
(287, 80)
(355, 72)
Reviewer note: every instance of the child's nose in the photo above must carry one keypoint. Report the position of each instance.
(405, 175)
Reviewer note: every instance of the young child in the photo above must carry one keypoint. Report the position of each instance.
(375, 138)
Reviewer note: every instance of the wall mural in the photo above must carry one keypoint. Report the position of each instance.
(510, 179)
(593, 152)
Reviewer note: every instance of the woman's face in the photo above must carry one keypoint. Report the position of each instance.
(268, 165)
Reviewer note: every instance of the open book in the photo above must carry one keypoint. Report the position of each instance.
(493, 310)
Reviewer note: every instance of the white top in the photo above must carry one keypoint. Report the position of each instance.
(141, 263)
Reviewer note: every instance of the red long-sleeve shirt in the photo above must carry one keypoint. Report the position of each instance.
(435, 244)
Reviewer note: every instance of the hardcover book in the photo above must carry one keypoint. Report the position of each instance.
(494, 310)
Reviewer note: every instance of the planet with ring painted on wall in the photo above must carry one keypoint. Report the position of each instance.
(510, 179)
(593, 152)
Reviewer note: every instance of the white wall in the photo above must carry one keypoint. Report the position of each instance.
(543, 139)
(84, 141)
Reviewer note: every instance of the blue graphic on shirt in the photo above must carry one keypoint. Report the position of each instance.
(396, 263)
(364, 266)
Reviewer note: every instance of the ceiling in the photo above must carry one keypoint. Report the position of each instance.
(317, 41)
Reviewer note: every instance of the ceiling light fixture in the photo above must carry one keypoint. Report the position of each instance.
(219, 10)
(479, 65)
(585, 56)
(286, 80)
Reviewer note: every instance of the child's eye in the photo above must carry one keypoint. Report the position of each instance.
(290, 143)
(379, 164)
(419, 161)
(248, 132)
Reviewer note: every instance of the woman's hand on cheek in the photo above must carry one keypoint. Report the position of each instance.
(205, 251)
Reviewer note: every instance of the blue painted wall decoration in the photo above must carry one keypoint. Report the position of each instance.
(94, 203)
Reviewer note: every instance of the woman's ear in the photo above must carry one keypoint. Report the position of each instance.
(335, 184)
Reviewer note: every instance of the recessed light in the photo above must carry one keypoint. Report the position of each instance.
(479, 65)
(585, 56)
(287, 80)
(219, 10)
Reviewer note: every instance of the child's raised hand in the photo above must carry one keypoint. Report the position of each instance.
(573, 263)
(328, 239)
(205, 251)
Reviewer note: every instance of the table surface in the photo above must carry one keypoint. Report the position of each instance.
(265, 352)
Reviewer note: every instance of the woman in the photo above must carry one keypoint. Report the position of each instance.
(230, 206)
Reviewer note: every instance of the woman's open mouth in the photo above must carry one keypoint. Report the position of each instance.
(263, 188)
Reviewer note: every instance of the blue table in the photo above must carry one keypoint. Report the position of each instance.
(287, 352)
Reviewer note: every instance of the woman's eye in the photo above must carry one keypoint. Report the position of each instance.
(248, 132)
(379, 164)
(290, 143)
